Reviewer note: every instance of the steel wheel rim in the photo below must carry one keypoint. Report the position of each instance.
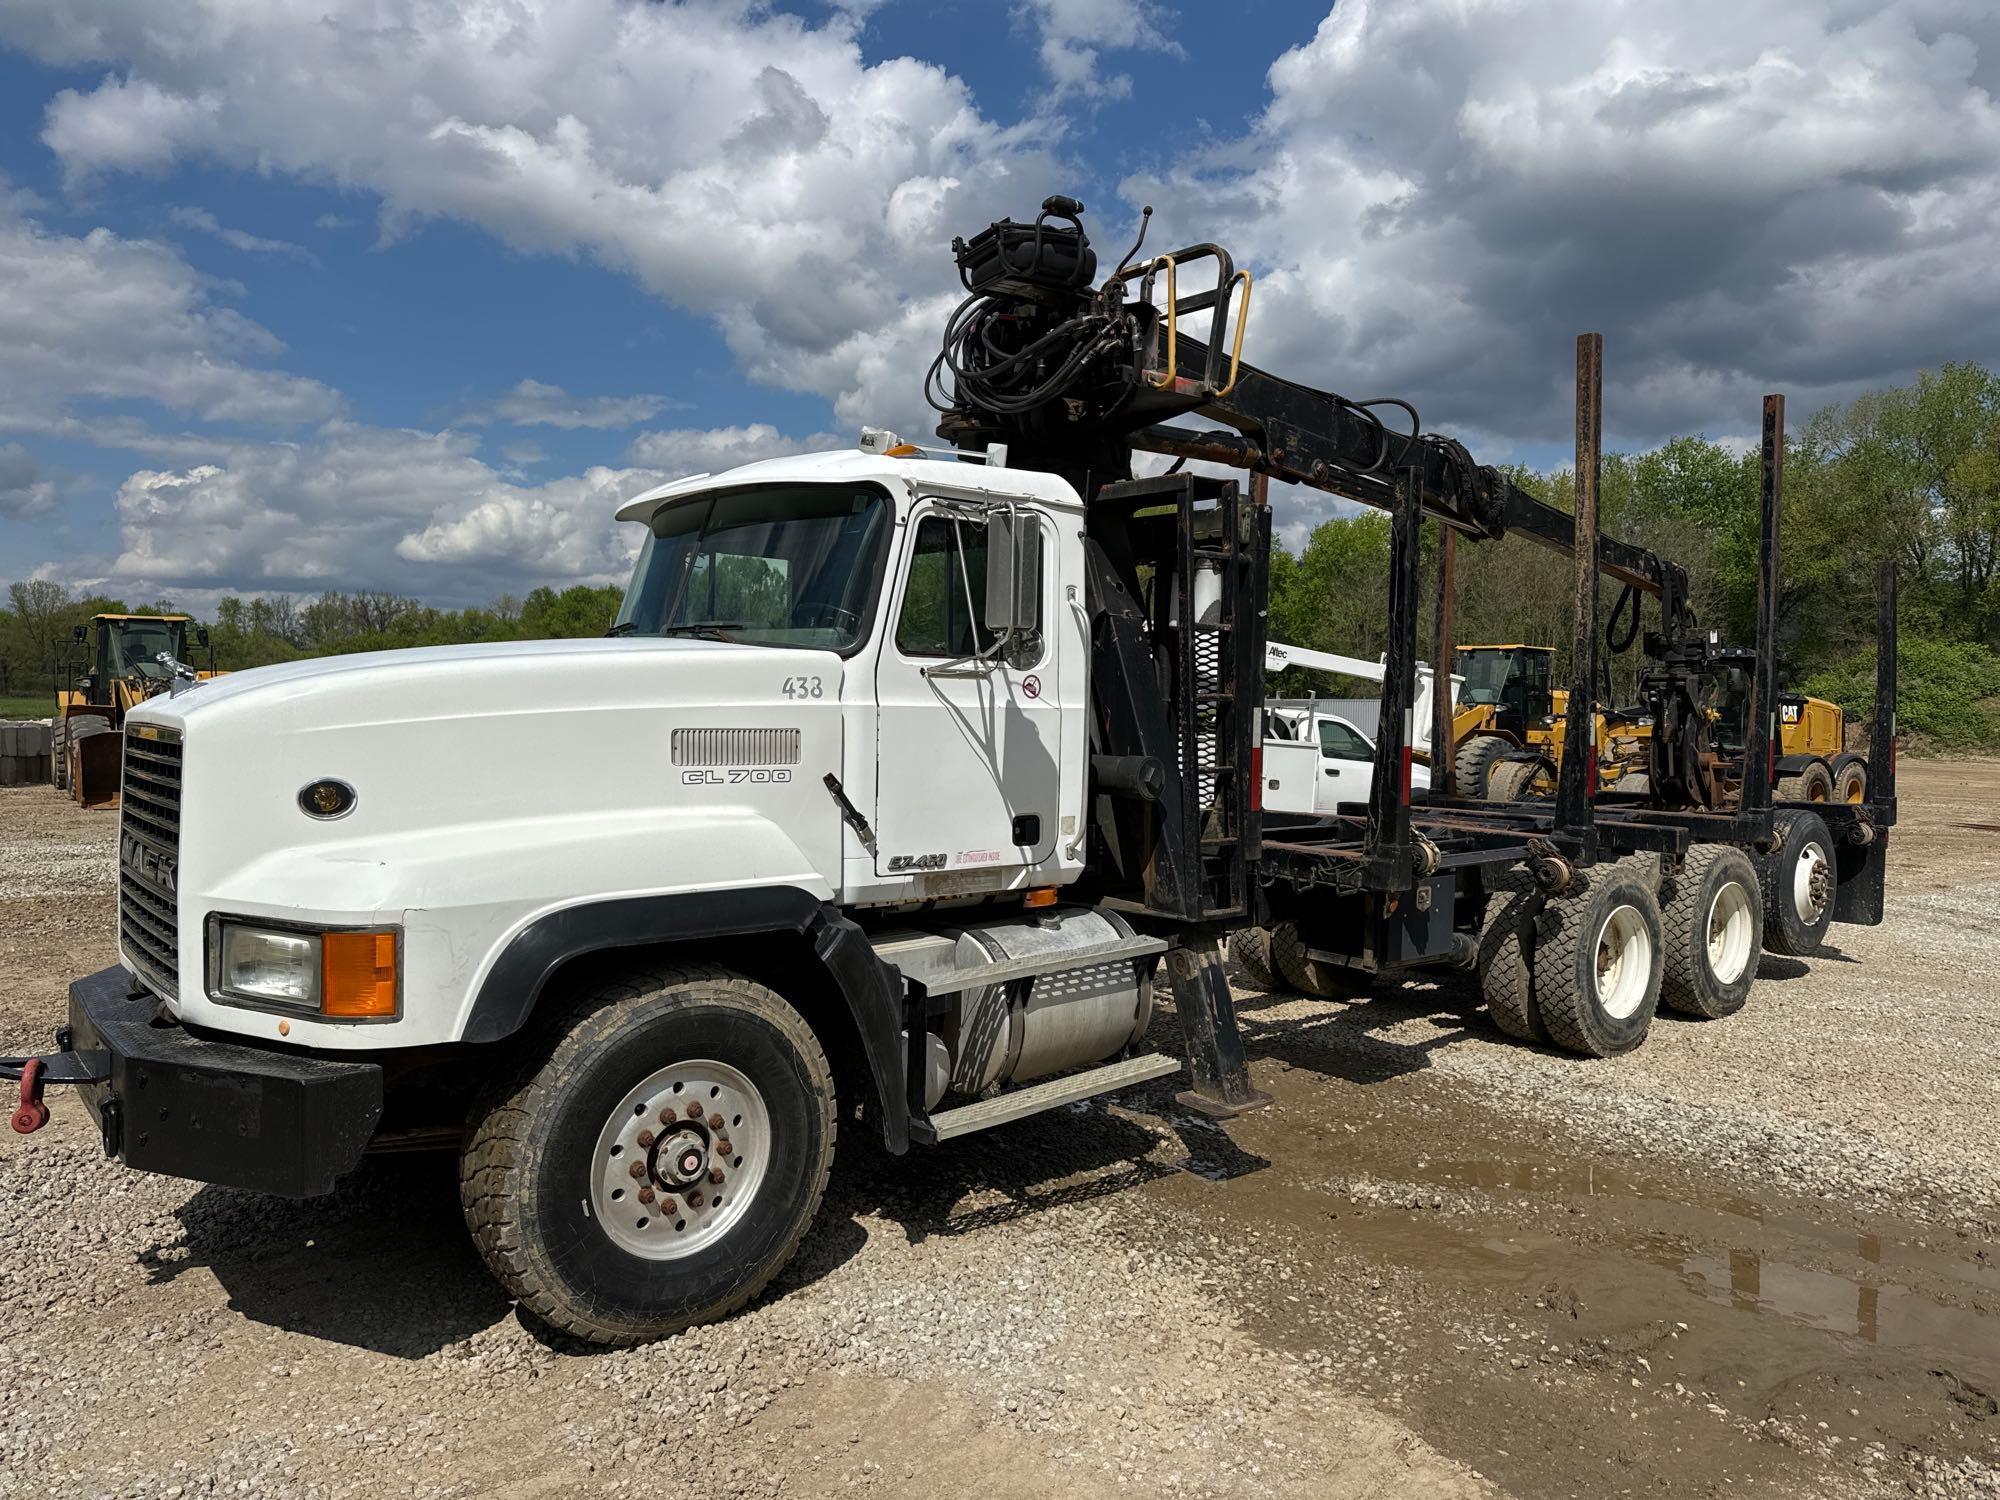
(1729, 933)
(1622, 962)
(1809, 880)
(678, 1155)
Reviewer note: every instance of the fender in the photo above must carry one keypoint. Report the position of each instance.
(1791, 765)
(513, 986)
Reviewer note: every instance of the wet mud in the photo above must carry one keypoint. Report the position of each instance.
(1569, 1324)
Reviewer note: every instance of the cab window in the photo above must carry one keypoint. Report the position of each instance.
(1338, 741)
(944, 602)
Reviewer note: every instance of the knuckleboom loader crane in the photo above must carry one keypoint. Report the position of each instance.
(913, 772)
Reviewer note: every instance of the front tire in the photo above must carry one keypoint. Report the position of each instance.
(588, 1179)
(1712, 922)
(1798, 879)
(1474, 763)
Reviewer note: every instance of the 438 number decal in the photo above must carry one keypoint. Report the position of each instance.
(803, 687)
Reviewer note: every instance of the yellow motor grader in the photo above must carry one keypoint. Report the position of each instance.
(1508, 725)
(115, 663)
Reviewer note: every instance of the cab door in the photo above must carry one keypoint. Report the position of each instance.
(969, 756)
(1346, 764)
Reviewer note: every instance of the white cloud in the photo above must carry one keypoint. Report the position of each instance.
(125, 125)
(23, 490)
(356, 506)
(97, 318)
(535, 404)
(1800, 195)
(744, 163)
(238, 239)
(361, 507)
(1076, 33)
(709, 450)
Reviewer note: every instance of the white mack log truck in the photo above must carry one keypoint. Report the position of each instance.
(909, 774)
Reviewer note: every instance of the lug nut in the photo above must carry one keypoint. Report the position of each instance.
(645, 1138)
(667, 1115)
(645, 1195)
(694, 1110)
(638, 1169)
(715, 1175)
(724, 1148)
(715, 1122)
(695, 1199)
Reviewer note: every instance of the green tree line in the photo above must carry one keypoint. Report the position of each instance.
(1910, 474)
(39, 620)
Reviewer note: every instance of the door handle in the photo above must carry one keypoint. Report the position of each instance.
(1333, 770)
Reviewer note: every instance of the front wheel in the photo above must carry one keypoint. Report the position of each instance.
(657, 1159)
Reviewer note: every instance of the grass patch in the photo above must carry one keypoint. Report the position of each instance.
(27, 705)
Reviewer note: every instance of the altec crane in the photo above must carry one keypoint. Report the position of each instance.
(908, 774)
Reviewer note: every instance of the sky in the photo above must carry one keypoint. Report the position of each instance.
(409, 294)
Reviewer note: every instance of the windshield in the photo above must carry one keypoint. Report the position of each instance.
(135, 645)
(778, 565)
(1485, 674)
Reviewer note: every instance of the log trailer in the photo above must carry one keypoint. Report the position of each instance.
(911, 771)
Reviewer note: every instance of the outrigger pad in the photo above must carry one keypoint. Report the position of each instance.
(1216, 1109)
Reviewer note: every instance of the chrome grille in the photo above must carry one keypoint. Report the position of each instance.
(149, 846)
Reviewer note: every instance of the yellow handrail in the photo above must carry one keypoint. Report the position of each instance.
(1166, 381)
(1242, 318)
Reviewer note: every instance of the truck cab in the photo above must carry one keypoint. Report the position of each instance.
(1315, 760)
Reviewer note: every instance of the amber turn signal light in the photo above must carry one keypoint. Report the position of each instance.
(358, 974)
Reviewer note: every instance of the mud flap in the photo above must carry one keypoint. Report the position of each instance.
(1861, 869)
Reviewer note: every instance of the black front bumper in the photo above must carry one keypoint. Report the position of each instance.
(189, 1106)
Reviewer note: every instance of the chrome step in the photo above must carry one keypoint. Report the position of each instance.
(1003, 1108)
(1034, 965)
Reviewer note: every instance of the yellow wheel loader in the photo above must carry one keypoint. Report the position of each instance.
(115, 664)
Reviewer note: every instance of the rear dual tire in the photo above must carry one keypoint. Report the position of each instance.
(1581, 970)
(1251, 948)
(1308, 975)
(1712, 922)
(1798, 879)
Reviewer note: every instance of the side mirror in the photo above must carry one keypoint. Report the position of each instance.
(1013, 572)
(201, 635)
(80, 634)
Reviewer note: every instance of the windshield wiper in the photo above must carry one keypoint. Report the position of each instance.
(623, 627)
(712, 629)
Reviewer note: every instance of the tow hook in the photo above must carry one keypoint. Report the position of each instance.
(33, 1114)
(65, 1065)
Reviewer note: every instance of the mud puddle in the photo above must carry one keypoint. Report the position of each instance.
(1541, 1313)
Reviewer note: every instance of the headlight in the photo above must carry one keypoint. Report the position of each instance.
(267, 967)
(346, 975)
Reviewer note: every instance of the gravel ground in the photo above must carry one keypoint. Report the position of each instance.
(1753, 1256)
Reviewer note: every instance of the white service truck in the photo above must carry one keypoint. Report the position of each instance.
(896, 784)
